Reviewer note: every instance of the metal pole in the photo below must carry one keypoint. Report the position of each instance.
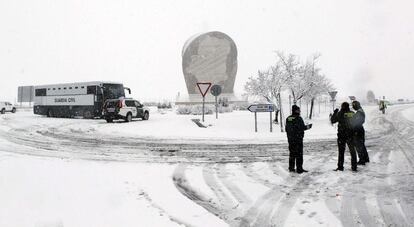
(216, 108)
(271, 127)
(281, 113)
(255, 121)
(290, 104)
(203, 107)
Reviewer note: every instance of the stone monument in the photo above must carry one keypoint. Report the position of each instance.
(209, 57)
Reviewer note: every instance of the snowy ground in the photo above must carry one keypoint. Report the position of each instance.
(168, 172)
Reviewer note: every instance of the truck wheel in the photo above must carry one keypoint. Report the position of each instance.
(3, 111)
(146, 116)
(14, 110)
(128, 117)
(87, 114)
(109, 120)
(49, 113)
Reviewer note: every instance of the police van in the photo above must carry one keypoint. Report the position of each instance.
(83, 99)
(7, 107)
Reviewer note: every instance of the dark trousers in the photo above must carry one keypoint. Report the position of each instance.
(342, 142)
(295, 155)
(359, 139)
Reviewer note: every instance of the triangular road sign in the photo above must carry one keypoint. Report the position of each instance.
(203, 88)
(333, 94)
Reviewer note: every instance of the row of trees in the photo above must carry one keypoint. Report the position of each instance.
(302, 79)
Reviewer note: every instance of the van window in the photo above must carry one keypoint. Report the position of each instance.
(130, 103)
(40, 92)
(91, 90)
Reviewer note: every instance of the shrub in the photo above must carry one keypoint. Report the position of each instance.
(195, 110)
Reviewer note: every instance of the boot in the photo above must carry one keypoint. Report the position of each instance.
(360, 162)
(301, 171)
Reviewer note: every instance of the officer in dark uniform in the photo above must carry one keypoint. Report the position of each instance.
(359, 133)
(295, 128)
(345, 135)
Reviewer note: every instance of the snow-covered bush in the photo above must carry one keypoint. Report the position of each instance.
(195, 109)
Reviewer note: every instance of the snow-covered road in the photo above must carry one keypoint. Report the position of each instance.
(54, 172)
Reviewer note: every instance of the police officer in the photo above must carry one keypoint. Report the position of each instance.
(382, 106)
(295, 128)
(345, 135)
(359, 133)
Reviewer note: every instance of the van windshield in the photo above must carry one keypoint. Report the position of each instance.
(113, 91)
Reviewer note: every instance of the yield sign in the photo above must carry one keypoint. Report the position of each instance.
(333, 95)
(203, 88)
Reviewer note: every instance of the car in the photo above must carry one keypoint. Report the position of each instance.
(124, 108)
(7, 107)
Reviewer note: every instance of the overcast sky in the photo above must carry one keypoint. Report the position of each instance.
(364, 44)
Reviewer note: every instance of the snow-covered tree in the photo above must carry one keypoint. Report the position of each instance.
(304, 79)
(296, 74)
(317, 84)
(268, 84)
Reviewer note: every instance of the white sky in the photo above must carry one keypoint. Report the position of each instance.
(364, 44)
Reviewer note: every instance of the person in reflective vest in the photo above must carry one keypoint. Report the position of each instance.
(345, 135)
(295, 130)
(359, 133)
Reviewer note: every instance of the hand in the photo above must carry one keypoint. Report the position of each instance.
(336, 110)
(309, 126)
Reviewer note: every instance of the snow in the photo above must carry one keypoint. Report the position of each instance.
(53, 192)
(46, 182)
(236, 127)
(409, 112)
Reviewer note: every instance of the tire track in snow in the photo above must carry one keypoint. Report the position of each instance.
(227, 203)
(183, 186)
(252, 174)
(403, 129)
(223, 175)
(273, 207)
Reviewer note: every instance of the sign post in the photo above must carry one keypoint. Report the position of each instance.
(271, 126)
(216, 91)
(203, 88)
(333, 95)
(261, 108)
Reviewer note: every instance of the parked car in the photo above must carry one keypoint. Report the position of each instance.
(124, 108)
(7, 107)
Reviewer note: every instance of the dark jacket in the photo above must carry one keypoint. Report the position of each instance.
(358, 121)
(295, 128)
(343, 118)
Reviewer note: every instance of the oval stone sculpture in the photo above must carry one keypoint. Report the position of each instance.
(210, 57)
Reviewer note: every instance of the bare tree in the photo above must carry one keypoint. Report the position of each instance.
(297, 75)
(304, 79)
(317, 83)
(268, 84)
(321, 85)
